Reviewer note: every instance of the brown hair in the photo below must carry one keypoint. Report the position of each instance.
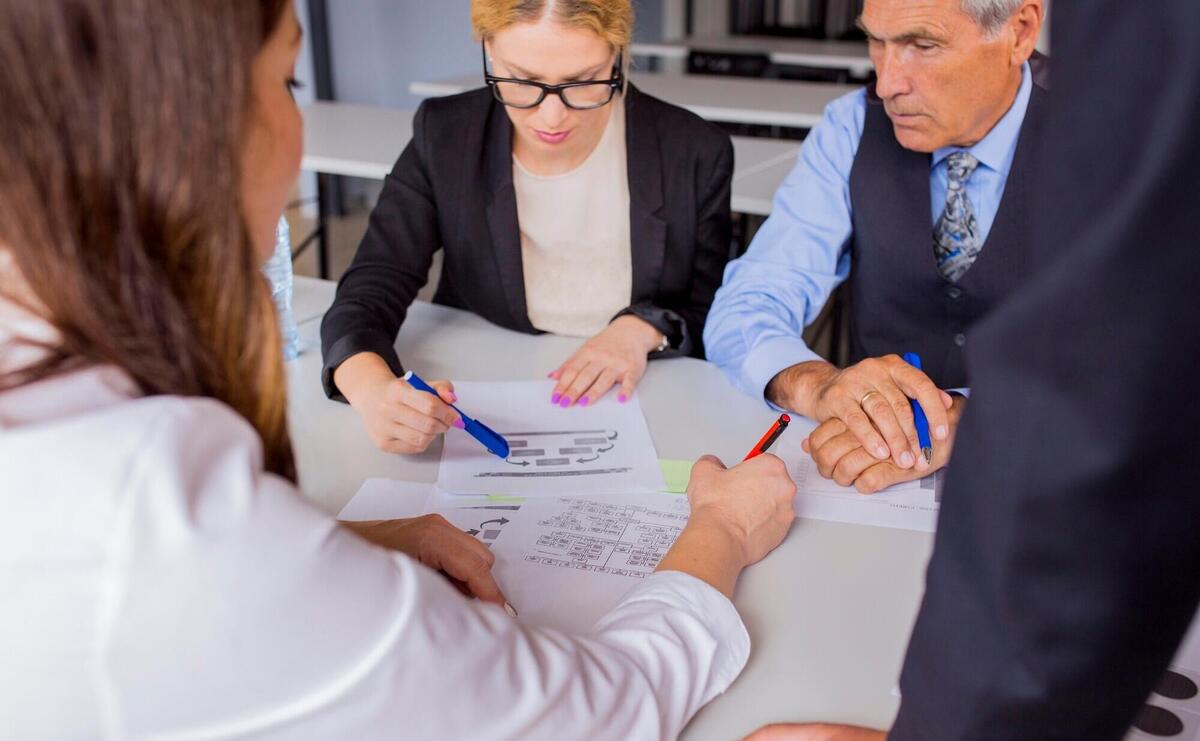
(120, 145)
(612, 20)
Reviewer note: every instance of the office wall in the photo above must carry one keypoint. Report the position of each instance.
(380, 46)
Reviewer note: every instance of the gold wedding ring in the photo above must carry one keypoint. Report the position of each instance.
(863, 401)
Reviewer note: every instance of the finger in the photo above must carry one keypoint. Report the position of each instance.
(826, 431)
(466, 565)
(445, 391)
(831, 453)
(879, 408)
(601, 386)
(417, 421)
(851, 466)
(569, 372)
(586, 377)
(902, 407)
(628, 384)
(426, 404)
(705, 467)
(408, 439)
(554, 374)
(880, 476)
(917, 385)
(857, 421)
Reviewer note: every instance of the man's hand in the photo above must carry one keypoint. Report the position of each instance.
(815, 732)
(871, 398)
(433, 541)
(840, 456)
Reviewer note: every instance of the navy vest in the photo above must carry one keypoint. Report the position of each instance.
(899, 300)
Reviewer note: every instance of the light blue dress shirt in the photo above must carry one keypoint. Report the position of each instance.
(800, 255)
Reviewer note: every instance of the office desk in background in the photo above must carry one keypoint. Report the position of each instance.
(829, 612)
(736, 100)
(365, 141)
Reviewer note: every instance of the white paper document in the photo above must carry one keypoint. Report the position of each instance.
(910, 506)
(604, 448)
(564, 562)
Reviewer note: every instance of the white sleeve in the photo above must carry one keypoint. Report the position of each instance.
(234, 609)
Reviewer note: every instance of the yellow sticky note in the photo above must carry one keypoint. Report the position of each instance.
(676, 473)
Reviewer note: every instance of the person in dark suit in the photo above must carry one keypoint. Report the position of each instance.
(1065, 570)
(564, 200)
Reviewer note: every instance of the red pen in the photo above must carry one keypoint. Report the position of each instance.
(769, 439)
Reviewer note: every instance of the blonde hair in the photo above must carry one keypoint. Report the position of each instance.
(611, 20)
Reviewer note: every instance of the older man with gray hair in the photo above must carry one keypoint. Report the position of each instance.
(916, 190)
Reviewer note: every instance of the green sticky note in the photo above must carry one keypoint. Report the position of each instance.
(503, 498)
(676, 473)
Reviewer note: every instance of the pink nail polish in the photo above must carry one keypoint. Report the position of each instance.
(460, 424)
(566, 402)
(453, 397)
(622, 398)
(554, 399)
(583, 402)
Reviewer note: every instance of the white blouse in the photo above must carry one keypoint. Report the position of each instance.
(157, 583)
(575, 241)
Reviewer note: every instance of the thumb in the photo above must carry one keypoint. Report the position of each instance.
(706, 465)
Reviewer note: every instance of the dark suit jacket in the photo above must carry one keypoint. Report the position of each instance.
(452, 189)
(1067, 562)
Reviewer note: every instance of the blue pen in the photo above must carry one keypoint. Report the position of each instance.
(491, 439)
(919, 414)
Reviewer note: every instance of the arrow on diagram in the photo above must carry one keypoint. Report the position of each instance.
(614, 435)
(605, 450)
(502, 521)
(516, 463)
(587, 460)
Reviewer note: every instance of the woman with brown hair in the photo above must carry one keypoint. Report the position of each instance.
(161, 574)
(563, 200)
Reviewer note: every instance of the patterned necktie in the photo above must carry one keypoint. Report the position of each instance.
(956, 234)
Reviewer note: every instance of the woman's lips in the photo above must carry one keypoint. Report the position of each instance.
(548, 137)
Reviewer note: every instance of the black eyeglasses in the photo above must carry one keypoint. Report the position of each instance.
(581, 96)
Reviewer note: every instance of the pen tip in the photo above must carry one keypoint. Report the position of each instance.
(928, 454)
(512, 612)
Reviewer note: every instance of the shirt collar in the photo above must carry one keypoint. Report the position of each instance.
(996, 150)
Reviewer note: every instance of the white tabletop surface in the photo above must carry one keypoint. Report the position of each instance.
(365, 141)
(729, 99)
(851, 55)
(829, 611)
(754, 191)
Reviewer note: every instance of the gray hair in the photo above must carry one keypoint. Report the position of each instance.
(990, 14)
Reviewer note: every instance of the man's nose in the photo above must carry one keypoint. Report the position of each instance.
(891, 77)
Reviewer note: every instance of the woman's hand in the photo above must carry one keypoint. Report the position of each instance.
(739, 515)
(616, 356)
(398, 417)
(433, 541)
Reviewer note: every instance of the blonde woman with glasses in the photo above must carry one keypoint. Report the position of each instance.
(563, 200)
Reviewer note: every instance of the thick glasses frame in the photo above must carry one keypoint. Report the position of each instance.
(615, 83)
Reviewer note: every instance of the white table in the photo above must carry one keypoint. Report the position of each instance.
(829, 612)
(365, 141)
(823, 54)
(754, 190)
(726, 99)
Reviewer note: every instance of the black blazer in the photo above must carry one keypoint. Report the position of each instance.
(1067, 562)
(452, 189)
